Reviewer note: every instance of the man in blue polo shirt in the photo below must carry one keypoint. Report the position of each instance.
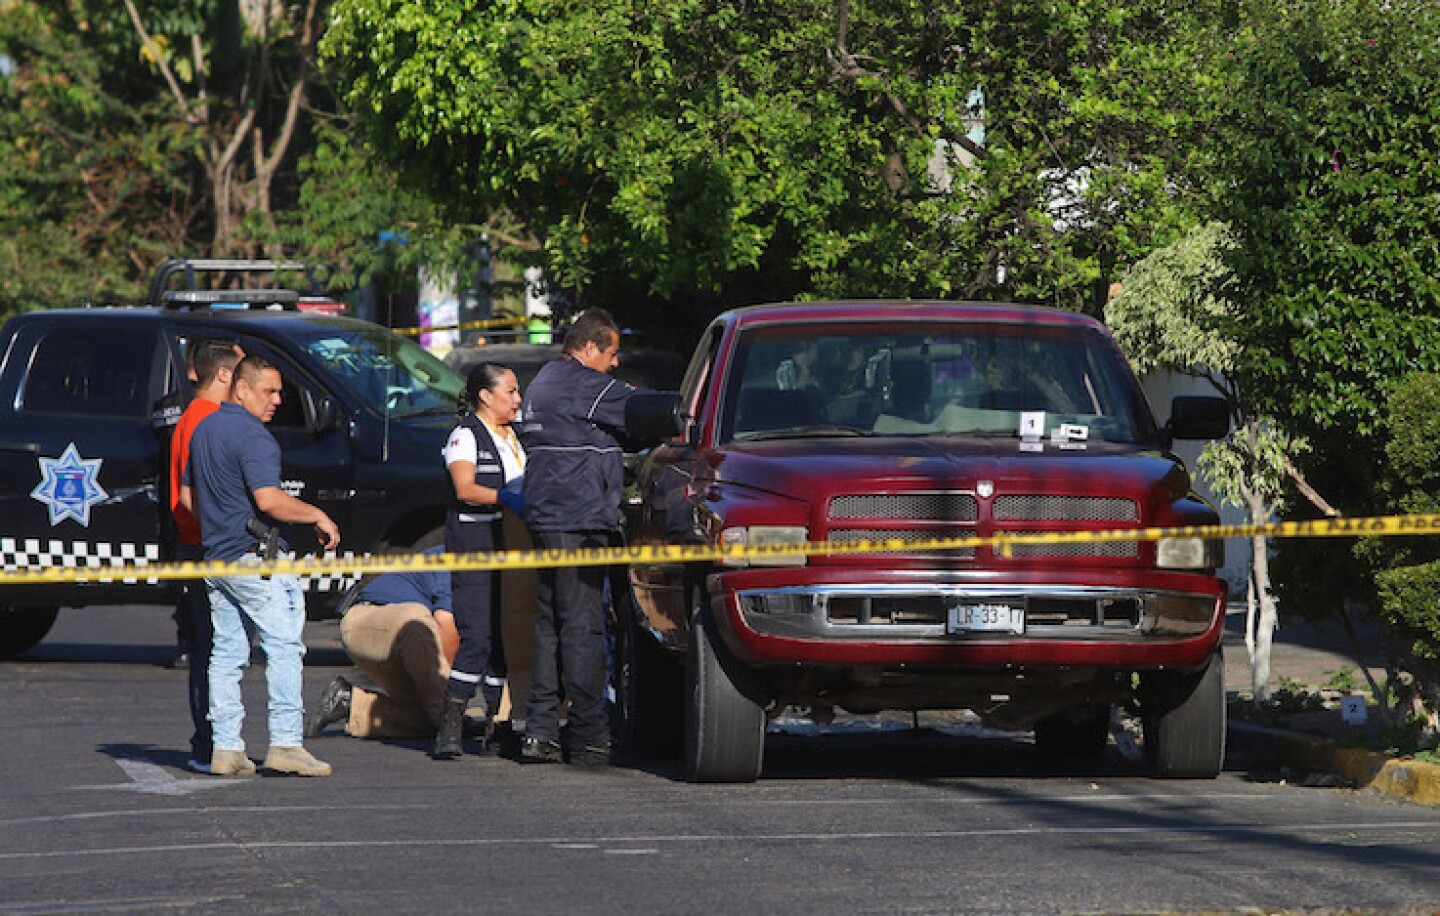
(231, 478)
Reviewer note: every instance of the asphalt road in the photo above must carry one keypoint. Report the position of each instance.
(97, 815)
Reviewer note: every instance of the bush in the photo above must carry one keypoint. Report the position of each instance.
(1410, 607)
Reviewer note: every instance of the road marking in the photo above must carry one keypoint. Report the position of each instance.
(330, 845)
(130, 813)
(1147, 798)
(152, 779)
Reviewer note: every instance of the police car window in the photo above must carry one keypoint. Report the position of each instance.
(91, 372)
(385, 371)
(291, 412)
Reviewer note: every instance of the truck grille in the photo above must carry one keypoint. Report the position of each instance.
(959, 510)
(936, 507)
(1092, 549)
(910, 535)
(1039, 508)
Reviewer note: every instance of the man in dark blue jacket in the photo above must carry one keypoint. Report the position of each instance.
(569, 420)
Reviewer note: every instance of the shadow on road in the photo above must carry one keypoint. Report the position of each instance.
(50, 652)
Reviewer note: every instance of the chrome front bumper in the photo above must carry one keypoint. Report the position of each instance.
(1060, 612)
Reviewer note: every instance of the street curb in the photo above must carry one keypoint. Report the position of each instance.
(1413, 780)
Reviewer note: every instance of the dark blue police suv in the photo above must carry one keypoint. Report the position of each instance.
(363, 417)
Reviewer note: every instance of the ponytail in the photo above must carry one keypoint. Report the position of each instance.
(484, 377)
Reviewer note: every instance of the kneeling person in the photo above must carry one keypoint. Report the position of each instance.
(402, 635)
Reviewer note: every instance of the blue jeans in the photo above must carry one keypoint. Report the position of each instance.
(276, 608)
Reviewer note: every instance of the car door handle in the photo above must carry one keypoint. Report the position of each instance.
(31, 447)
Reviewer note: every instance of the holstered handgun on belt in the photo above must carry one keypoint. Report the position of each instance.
(269, 537)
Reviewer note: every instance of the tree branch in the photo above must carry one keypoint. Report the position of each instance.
(297, 93)
(1308, 491)
(202, 95)
(846, 65)
(159, 59)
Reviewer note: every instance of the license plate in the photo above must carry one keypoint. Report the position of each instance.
(971, 617)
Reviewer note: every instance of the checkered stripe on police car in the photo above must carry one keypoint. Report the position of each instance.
(34, 553)
(326, 582)
(330, 582)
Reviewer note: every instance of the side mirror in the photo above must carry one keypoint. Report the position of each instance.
(654, 417)
(1199, 418)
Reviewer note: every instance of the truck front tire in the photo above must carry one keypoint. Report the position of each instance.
(724, 721)
(1183, 715)
(22, 628)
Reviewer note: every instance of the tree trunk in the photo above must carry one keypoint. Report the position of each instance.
(1252, 608)
(250, 138)
(1260, 629)
(1265, 624)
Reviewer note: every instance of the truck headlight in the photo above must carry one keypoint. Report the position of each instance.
(763, 536)
(1189, 553)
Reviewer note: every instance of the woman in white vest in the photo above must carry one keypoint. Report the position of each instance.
(486, 465)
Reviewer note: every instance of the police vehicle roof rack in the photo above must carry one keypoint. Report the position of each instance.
(286, 299)
(187, 268)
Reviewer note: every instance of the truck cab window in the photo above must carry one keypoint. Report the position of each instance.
(92, 371)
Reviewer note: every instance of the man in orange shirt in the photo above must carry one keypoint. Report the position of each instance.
(214, 362)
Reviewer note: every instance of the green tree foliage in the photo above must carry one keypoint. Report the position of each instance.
(354, 217)
(1324, 165)
(718, 148)
(1408, 571)
(132, 132)
(93, 185)
(1179, 310)
(1328, 173)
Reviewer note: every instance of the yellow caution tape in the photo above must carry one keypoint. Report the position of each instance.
(1376, 526)
(467, 326)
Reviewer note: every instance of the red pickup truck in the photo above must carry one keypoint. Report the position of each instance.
(909, 421)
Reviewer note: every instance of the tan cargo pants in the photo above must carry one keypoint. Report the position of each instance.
(398, 647)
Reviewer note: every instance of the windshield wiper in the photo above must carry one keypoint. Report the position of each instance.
(812, 431)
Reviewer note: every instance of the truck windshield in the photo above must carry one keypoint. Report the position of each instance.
(384, 370)
(978, 379)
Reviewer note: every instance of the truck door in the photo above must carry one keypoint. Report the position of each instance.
(78, 457)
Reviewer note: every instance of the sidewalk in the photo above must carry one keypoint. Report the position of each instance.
(1304, 652)
(1310, 655)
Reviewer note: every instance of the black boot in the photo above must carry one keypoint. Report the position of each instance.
(452, 722)
(334, 707)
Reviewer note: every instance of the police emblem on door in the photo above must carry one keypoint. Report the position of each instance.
(69, 486)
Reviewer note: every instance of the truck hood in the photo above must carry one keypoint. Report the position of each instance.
(814, 469)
